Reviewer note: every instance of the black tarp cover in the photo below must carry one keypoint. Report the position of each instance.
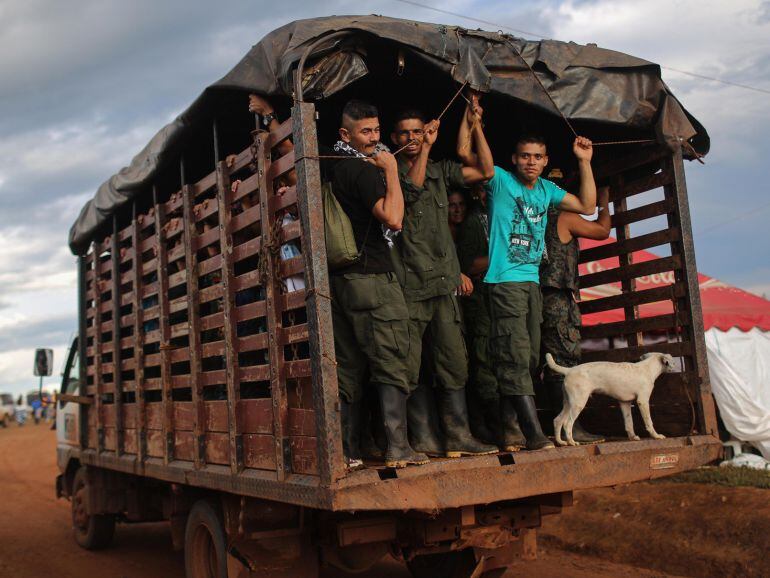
(586, 82)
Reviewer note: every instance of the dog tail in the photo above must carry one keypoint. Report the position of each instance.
(555, 366)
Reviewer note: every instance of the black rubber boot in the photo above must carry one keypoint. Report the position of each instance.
(511, 438)
(351, 434)
(399, 453)
(480, 427)
(373, 440)
(555, 389)
(524, 406)
(424, 433)
(457, 434)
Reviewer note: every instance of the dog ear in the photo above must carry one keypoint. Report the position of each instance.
(646, 356)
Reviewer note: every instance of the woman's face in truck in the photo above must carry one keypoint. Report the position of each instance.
(363, 135)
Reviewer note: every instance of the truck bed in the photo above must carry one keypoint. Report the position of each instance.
(185, 380)
(448, 483)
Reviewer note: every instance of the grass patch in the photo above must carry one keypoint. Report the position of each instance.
(728, 476)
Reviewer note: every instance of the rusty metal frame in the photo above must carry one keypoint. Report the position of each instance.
(235, 433)
(318, 300)
(139, 405)
(117, 381)
(274, 313)
(193, 320)
(98, 378)
(167, 407)
(691, 302)
(82, 349)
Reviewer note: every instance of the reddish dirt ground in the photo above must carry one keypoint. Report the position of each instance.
(662, 529)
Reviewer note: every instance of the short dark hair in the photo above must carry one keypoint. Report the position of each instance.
(359, 110)
(530, 138)
(408, 113)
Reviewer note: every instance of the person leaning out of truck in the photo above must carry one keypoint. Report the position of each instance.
(518, 214)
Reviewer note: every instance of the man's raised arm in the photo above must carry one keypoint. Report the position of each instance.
(478, 166)
(585, 202)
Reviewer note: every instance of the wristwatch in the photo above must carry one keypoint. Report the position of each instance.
(268, 118)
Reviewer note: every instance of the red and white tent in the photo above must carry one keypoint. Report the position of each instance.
(737, 325)
(724, 306)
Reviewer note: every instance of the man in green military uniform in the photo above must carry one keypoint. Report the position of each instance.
(430, 273)
(559, 283)
(370, 316)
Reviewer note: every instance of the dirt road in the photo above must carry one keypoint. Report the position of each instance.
(35, 538)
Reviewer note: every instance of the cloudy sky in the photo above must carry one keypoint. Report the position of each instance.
(86, 83)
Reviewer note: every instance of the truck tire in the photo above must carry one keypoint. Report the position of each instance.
(92, 532)
(4, 421)
(205, 555)
(457, 564)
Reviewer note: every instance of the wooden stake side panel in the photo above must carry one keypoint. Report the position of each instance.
(643, 191)
(201, 302)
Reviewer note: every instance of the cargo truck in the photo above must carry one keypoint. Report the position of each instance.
(202, 389)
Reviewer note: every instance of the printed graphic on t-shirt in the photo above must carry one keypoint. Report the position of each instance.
(523, 247)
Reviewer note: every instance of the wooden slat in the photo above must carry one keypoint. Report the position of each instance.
(230, 322)
(663, 207)
(274, 316)
(646, 324)
(636, 298)
(247, 249)
(164, 336)
(204, 184)
(291, 267)
(244, 219)
(98, 382)
(256, 415)
(194, 298)
(630, 246)
(287, 199)
(643, 185)
(629, 272)
(259, 451)
(280, 134)
(203, 240)
(280, 167)
(247, 186)
(634, 353)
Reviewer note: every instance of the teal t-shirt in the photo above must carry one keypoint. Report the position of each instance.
(516, 238)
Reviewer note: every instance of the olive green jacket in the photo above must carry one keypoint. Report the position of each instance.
(425, 259)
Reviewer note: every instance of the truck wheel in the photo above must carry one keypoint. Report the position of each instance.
(92, 532)
(4, 422)
(205, 555)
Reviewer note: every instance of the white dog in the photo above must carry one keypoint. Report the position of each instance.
(626, 382)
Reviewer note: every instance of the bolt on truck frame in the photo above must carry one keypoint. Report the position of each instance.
(206, 392)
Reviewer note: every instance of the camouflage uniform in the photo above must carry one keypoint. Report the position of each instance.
(473, 242)
(561, 315)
